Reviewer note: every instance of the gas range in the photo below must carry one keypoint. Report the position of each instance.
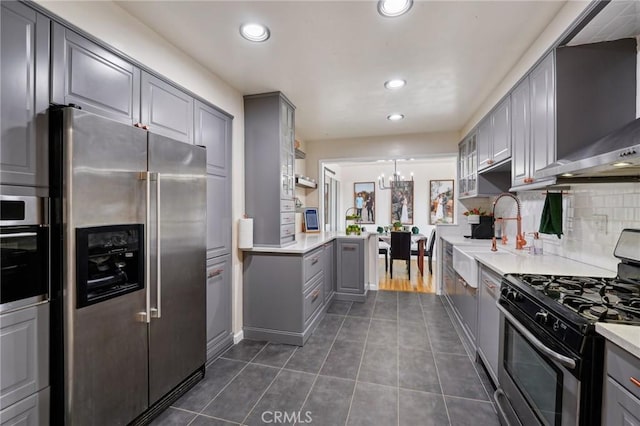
(548, 336)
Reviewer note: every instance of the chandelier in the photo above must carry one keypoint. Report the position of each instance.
(394, 179)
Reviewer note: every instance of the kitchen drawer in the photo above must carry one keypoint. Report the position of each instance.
(313, 263)
(287, 231)
(313, 298)
(287, 218)
(287, 206)
(621, 407)
(624, 367)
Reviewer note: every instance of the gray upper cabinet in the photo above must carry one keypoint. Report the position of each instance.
(213, 130)
(24, 61)
(494, 138)
(520, 134)
(167, 110)
(269, 167)
(218, 215)
(350, 265)
(543, 116)
(219, 332)
(484, 138)
(93, 78)
(501, 143)
(573, 97)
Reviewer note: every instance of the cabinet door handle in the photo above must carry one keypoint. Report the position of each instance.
(145, 127)
(315, 260)
(463, 282)
(489, 161)
(215, 273)
(315, 295)
(489, 284)
(139, 125)
(634, 381)
(348, 249)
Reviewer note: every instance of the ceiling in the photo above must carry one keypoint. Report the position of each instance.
(619, 19)
(331, 58)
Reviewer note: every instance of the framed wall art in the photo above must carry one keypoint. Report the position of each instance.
(364, 200)
(441, 202)
(402, 202)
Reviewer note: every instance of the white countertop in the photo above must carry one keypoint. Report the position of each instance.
(625, 336)
(508, 260)
(307, 242)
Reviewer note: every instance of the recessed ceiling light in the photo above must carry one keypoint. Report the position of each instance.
(395, 117)
(621, 164)
(254, 32)
(394, 84)
(393, 8)
(566, 174)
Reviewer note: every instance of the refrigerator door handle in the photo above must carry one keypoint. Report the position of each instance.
(146, 315)
(157, 311)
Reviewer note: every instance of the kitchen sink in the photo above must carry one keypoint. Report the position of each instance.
(465, 264)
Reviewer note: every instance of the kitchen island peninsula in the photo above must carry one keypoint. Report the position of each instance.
(287, 290)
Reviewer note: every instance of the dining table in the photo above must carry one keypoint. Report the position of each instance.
(419, 239)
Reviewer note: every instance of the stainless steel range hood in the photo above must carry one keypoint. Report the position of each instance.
(616, 155)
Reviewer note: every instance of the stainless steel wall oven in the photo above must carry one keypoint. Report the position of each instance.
(24, 250)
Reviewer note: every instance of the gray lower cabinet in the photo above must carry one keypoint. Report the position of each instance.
(350, 269)
(24, 354)
(465, 304)
(92, 77)
(621, 405)
(488, 337)
(167, 110)
(24, 95)
(329, 271)
(219, 302)
(284, 295)
(31, 411)
(269, 167)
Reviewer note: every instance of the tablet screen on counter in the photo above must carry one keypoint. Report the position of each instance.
(311, 223)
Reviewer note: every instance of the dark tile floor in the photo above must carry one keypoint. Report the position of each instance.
(394, 360)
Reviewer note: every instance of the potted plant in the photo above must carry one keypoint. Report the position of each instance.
(397, 225)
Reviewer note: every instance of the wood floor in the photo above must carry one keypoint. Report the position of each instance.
(401, 281)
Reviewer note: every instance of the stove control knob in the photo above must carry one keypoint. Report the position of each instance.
(542, 317)
(505, 292)
(514, 296)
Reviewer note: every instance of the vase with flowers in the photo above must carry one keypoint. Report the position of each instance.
(474, 215)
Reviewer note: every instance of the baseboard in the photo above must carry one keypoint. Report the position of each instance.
(238, 337)
(373, 287)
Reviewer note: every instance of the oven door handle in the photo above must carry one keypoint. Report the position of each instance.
(565, 361)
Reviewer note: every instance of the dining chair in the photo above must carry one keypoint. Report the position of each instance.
(383, 248)
(429, 251)
(400, 249)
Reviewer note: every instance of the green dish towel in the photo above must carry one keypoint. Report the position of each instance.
(551, 220)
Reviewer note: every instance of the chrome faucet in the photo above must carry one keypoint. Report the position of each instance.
(520, 240)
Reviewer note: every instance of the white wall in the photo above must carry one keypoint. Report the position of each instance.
(108, 22)
(424, 171)
(421, 145)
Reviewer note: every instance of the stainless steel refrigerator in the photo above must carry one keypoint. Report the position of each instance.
(129, 215)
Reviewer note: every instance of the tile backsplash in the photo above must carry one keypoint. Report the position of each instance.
(593, 217)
